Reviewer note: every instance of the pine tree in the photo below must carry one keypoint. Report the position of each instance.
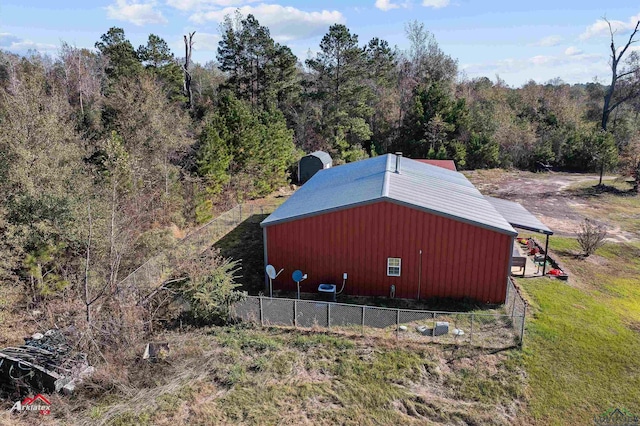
(123, 61)
(260, 71)
(339, 87)
(159, 60)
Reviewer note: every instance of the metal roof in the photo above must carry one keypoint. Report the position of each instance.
(323, 156)
(518, 216)
(421, 186)
(445, 164)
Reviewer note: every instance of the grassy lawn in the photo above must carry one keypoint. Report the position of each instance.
(583, 339)
(231, 375)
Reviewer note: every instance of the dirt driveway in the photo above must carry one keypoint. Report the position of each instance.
(545, 195)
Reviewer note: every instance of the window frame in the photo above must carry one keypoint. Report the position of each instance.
(398, 266)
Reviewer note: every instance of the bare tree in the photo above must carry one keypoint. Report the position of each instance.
(86, 267)
(88, 300)
(627, 79)
(188, 47)
(590, 237)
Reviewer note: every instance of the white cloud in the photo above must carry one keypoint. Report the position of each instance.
(552, 40)
(192, 5)
(206, 41)
(386, 5)
(436, 4)
(135, 12)
(540, 59)
(286, 23)
(6, 39)
(601, 28)
(579, 67)
(572, 51)
(16, 44)
(573, 57)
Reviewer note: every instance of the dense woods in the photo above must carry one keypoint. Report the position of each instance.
(106, 155)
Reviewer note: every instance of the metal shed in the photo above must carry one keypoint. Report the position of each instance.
(310, 164)
(391, 221)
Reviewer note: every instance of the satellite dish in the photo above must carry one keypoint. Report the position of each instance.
(271, 272)
(297, 275)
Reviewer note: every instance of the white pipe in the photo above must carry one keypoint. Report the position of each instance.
(344, 280)
(342, 289)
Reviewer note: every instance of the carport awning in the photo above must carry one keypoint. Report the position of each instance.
(518, 216)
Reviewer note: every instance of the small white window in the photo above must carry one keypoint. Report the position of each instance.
(393, 266)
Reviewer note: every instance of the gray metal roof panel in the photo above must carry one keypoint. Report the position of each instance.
(451, 200)
(418, 185)
(332, 188)
(518, 216)
(323, 156)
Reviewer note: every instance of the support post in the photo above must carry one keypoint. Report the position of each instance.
(419, 274)
(524, 314)
(546, 255)
(328, 315)
(295, 313)
(397, 324)
(261, 313)
(433, 330)
(363, 308)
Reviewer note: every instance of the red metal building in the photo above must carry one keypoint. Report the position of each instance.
(390, 222)
(445, 164)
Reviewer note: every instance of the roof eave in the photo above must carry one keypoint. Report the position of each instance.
(532, 229)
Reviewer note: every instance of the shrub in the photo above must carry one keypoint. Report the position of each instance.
(590, 237)
(210, 288)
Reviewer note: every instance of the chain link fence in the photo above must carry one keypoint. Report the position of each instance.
(141, 282)
(498, 328)
(516, 307)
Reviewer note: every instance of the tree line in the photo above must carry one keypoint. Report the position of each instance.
(106, 154)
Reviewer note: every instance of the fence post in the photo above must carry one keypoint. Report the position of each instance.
(328, 315)
(295, 313)
(398, 324)
(524, 314)
(261, 313)
(471, 329)
(513, 307)
(433, 330)
(363, 309)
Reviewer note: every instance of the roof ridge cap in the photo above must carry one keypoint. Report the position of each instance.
(385, 178)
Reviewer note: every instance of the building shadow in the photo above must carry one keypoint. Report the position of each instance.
(244, 244)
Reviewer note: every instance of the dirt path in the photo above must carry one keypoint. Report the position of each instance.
(546, 196)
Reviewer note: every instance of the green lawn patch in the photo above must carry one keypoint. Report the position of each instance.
(583, 339)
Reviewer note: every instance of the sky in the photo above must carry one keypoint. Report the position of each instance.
(515, 40)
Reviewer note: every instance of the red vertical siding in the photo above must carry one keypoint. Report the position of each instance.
(458, 259)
